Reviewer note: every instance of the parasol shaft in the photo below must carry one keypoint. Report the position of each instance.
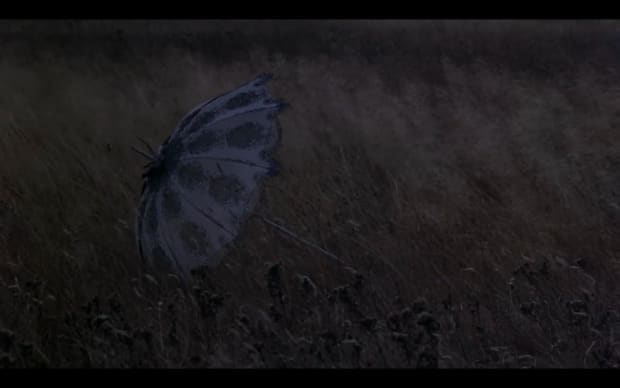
(299, 239)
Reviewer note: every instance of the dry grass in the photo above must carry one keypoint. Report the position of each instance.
(467, 171)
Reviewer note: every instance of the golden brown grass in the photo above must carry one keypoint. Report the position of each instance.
(467, 171)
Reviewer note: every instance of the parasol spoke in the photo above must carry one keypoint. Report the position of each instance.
(230, 160)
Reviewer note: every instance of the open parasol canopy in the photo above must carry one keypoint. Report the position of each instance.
(205, 179)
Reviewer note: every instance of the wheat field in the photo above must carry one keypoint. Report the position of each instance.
(467, 172)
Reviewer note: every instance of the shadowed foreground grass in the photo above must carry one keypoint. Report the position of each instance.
(467, 172)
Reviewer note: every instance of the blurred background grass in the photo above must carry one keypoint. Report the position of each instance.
(466, 170)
